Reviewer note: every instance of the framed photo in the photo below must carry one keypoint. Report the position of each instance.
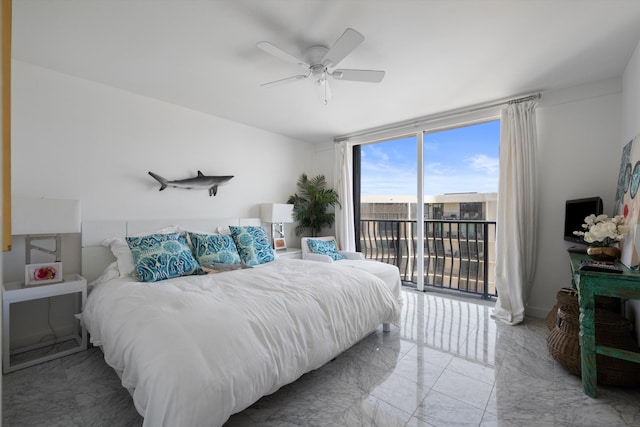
(40, 274)
(279, 243)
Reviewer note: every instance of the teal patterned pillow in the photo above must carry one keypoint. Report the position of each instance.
(253, 245)
(162, 256)
(214, 249)
(325, 247)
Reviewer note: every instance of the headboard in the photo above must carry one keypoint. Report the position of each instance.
(95, 257)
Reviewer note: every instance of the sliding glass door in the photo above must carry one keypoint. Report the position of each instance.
(388, 187)
(460, 193)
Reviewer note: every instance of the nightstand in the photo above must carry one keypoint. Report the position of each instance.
(290, 253)
(14, 292)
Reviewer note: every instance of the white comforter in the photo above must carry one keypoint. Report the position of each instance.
(195, 350)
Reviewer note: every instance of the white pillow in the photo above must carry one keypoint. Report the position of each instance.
(224, 229)
(111, 272)
(121, 251)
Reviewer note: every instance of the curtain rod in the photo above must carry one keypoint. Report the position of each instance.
(437, 116)
(525, 99)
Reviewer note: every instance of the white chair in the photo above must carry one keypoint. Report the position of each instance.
(308, 254)
(390, 274)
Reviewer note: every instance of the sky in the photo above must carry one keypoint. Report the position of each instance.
(458, 160)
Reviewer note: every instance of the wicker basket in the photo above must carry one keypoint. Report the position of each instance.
(565, 296)
(611, 330)
(569, 296)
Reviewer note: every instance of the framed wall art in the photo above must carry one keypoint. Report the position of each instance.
(279, 243)
(41, 274)
(628, 201)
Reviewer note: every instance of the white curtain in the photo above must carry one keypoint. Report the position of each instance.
(345, 233)
(516, 211)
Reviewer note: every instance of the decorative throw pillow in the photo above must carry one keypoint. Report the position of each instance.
(214, 249)
(325, 247)
(253, 244)
(162, 256)
(121, 251)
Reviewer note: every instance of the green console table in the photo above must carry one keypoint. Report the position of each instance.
(590, 284)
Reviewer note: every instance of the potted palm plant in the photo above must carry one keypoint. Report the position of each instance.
(310, 205)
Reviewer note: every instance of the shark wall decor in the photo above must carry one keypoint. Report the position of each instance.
(200, 181)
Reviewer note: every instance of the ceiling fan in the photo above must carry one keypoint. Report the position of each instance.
(319, 62)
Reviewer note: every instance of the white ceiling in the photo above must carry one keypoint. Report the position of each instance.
(438, 55)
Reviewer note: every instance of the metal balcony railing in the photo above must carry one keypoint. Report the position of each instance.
(459, 255)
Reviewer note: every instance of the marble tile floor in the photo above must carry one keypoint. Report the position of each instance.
(449, 364)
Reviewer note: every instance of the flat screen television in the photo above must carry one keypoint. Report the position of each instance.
(574, 214)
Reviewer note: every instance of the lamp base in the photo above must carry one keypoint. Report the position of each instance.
(29, 245)
(277, 235)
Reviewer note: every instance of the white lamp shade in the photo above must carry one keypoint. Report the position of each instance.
(276, 212)
(44, 216)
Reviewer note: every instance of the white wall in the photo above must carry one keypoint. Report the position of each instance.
(580, 150)
(78, 139)
(630, 129)
(324, 164)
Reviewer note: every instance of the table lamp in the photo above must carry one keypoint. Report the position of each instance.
(44, 220)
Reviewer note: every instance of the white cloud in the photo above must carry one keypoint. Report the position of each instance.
(376, 153)
(438, 168)
(484, 163)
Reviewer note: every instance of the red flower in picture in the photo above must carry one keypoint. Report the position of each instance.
(44, 273)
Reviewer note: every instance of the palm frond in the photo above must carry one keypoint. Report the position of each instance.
(310, 204)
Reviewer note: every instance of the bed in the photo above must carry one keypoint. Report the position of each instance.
(195, 349)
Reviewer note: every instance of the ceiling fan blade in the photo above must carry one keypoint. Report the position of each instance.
(286, 80)
(348, 41)
(371, 76)
(280, 53)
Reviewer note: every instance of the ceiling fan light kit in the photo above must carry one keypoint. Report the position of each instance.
(318, 60)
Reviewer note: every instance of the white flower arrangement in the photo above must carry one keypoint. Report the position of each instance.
(602, 230)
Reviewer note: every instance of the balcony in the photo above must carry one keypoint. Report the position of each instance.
(459, 255)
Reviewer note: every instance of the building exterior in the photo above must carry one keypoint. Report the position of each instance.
(466, 206)
(459, 233)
